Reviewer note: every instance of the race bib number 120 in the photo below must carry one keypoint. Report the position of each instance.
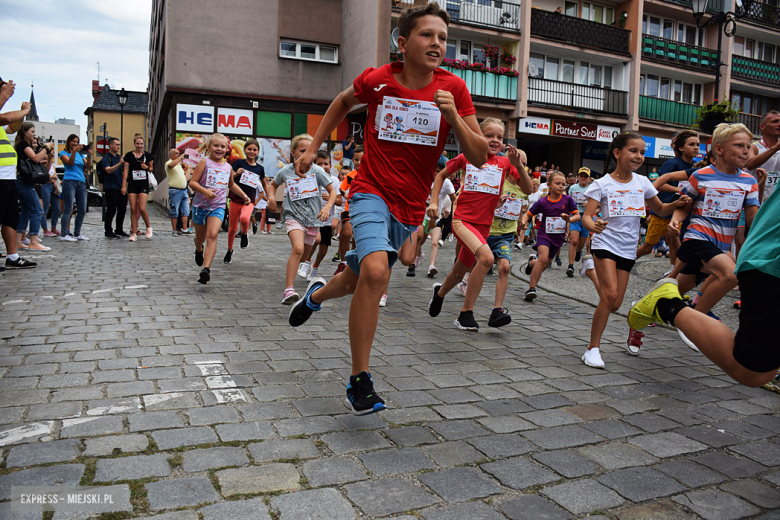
(409, 121)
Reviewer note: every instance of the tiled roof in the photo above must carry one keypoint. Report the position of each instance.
(137, 102)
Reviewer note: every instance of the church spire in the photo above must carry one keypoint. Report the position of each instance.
(33, 115)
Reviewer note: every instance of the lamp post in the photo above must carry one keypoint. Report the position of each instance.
(727, 24)
(122, 98)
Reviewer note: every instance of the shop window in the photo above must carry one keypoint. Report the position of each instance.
(308, 51)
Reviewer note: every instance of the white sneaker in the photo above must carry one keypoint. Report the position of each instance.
(68, 238)
(313, 273)
(462, 287)
(417, 259)
(441, 243)
(587, 264)
(303, 269)
(592, 358)
(519, 245)
(82, 237)
(688, 342)
(383, 301)
(432, 271)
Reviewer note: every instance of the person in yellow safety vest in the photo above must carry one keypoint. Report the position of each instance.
(9, 208)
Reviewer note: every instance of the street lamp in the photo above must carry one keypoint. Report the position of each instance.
(727, 24)
(122, 97)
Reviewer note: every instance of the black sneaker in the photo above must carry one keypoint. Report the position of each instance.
(228, 257)
(577, 256)
(499, 318)
(466, 321)
(570, 271)
(205, 275)
(199, 258)
(361, 397)
(301, 311)
(558, 261)
(434, 306)
(528, 267)
(19, 263)
(254, 228)
(111, 234)
(244, 240)
(238, 234)
(121, 233)
(530, 294)
(410, 272)
(336, 258)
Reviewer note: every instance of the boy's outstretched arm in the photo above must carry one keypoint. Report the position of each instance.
(336, 113)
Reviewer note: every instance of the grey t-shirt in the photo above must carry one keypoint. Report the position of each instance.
(304, 210)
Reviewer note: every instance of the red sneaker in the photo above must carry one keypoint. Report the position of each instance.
(340, 268)
(737, 304)
(634, 342)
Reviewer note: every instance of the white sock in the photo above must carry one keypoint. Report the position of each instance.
(13, 257)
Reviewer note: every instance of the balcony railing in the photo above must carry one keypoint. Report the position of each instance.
(667, 111)
(750, 121)
(713, 6)
(764, 14)
(559, 94)
(487, 84)
(501, 15)
(578, 31)
(678, 54)
(755, 70)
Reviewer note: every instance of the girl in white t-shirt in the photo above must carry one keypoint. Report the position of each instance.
(622, 195)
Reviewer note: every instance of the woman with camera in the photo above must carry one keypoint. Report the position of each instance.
(50, 197)
(74, 186)
(30, 206)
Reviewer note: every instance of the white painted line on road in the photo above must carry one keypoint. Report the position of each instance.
(136, 287)
(78, 420)
(25, 432)
(220, 382)
(130, 405)
(105, 290)
(229, 396)
(97, 291)
(153, 399)
(212, 369)
(16, 301)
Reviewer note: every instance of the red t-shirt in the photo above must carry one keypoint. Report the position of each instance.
(401, 173)
(478, 207)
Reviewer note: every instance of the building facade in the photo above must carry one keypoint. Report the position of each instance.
(564, 75)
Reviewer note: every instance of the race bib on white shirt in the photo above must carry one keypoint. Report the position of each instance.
(483, 180)
(723, 204)
(217, 179)
(250, 179)
(626, 203)
(771, 183)
(300, 188)
(409, 121)
(554, 225)
(511, 209)
(580, 198)
(139, 175)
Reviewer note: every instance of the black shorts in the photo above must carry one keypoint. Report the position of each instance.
(345, 216)
(695, 252)
(138, 187)
(326, 233)
(9, 204)
(623, 264)
(755, 344)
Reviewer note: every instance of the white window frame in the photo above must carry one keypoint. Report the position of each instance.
(317, 46)
(577, 65)
(672, 89)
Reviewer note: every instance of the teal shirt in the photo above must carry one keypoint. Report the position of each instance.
(762, 247)
(75, 172)
(574, 190)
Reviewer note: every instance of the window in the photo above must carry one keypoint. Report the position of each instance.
(687, 93)
(677, 91)
(607, 77)
(668, 29)
(570, 8)
(551, 69)
(465, 50)
(654, 26)
(665, 85)
(450, 53)
(739, 46)
(595, 76)
(598, 13)
(583, 76)
(567, 74)
(536, 65)
(308, 51)
(652, 85)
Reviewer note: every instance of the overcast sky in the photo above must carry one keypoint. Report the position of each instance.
(57, 44)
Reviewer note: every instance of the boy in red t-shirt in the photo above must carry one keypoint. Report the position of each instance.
(424, 102)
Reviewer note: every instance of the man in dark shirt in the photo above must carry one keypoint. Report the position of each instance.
(349, 152)
(116, 203)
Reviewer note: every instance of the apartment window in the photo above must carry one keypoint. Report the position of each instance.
(652, 85)
(308, 51)
(739, 46)
(687, 93)
(668, 29)
(451, 52)
(598, 13)
(677, 91)
(595, 76)
(607, 77)
(582, 78)
(749, 48)
(654, 26)
(665, 88)
(465, 50)
(567, 73)
(642, 85)
(570, 8)
(551, 69)
(536, 65)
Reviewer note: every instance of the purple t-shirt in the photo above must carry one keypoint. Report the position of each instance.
(553, 227)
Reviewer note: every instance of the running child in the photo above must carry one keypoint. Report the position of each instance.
(557, 209)
(387, 198)
(622, 196)
(250, 177)
(472, 217)
(345, 237)
(211, 182)
(578, 235)
(444, 222)
(303, 212)
(326, 231)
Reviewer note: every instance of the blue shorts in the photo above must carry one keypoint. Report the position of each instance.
(501, 245)
(375, 229)
(179, 203)
(200, 215)
(577, 226)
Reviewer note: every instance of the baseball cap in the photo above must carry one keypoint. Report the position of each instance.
(584, 170)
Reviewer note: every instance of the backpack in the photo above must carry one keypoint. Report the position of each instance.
(101, 173)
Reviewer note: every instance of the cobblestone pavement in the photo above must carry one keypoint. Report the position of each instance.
(118, 368)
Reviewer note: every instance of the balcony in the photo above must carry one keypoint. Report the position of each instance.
(571, 29)
(682, 114)
(764, 14)
(493, 87)
(755, 70)
(500, 15)
(713, 6)
(750, 121)
(582, 98)
(678, 54)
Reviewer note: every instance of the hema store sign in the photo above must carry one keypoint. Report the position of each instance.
(234, 121)
(194, 118)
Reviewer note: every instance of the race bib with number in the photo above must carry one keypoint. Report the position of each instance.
(581, 198)
(217, 179)
(723, 204)
(250, 179)
(409, 121)
(139, 175)
(511, 209)
(300, 188)
(626, 203)
(771, 183)
(483, 180)
(554, 225)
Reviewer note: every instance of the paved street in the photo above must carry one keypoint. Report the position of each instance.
(118, 368)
